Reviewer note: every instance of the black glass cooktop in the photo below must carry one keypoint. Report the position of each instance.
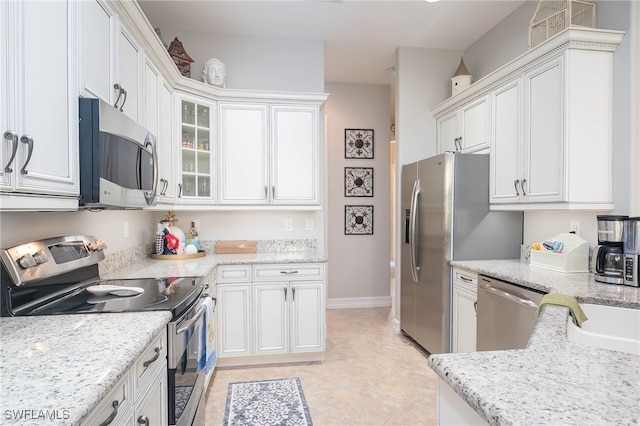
(169, 294)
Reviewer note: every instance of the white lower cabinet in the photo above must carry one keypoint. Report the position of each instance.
(453, 410)
(277, 316)
(234, 320)
(463, 311)
(140, 396)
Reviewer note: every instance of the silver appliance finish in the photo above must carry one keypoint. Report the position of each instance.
(506, 314)
(632, 252)
(446, 216)
(610, 228)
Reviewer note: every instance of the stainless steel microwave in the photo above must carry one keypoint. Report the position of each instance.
(118, 159)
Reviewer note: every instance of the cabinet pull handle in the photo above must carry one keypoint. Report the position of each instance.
(164, 186)
(29, 141)
(273, 192)
(13, 138)
(113, 414)
(179, 190)
(515, 184)
(475, 307)
(125, 99)
(522, 184)
(288, 272)
(119, 90)
(143, 420)
(152, 360)
(285, 294)
(266, 191)
(293, 291)
(463, 278)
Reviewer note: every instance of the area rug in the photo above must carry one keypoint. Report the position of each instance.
(267, 403)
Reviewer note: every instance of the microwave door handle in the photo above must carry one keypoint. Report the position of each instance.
(154, 155)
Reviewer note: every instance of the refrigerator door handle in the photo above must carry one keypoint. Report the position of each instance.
(413, 241)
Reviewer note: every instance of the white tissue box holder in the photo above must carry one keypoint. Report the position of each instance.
(573, 259)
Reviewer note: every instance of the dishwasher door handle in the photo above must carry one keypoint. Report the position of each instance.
(510, 296)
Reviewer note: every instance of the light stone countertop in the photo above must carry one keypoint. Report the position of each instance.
(203, 266)
(580, 285)
(55, 369)
(552, 381)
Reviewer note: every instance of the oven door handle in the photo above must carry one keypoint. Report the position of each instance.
(192, 321)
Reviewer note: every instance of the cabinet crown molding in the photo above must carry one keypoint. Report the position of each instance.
(572, 38)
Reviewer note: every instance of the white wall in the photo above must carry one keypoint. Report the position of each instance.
(18, 228)
(358, 268)
(508, 40)
(256, 63)
(423, 81)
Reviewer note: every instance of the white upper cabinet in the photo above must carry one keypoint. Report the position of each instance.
(197, 150)
(244, 157)
(127, 88)
(551, 144)
(294, 154)
(112, 60)
(38, 105)
(167, 182)
(548, 117)
(268, 154)
(464, 129)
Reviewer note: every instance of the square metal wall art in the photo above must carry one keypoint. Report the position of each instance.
(358, 143)
(358, 220)
(358, 181)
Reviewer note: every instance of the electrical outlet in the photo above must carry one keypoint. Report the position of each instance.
(288, 224)
(196, 224)
(574, 226)
(308, 224)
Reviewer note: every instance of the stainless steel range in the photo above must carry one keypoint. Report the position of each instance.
(60, 276)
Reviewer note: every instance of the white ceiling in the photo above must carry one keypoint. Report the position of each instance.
(360, 36)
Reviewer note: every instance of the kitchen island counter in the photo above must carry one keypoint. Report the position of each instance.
(55, 369)
(552, 381)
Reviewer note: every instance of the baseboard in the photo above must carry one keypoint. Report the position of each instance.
(359, 302)
(396, 325)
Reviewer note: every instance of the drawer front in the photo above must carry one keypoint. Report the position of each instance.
(233, 274)
(117, 405)
(153, 359)
(468, 279)
(289, 272)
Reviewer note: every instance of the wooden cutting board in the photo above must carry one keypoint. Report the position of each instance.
(235, 246)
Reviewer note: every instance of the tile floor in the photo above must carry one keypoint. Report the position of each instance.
(370, 375)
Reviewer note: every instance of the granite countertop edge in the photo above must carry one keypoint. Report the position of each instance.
(94, 348)
(203, 266)
(580, 285)
(552, 381)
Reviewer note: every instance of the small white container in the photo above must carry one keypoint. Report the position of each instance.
(574, 257)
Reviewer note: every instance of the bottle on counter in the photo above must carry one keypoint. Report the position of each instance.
(192, 236)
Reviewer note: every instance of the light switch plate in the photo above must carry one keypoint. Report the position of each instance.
(288, 224)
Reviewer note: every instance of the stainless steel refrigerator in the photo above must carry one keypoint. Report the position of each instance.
(446, 216)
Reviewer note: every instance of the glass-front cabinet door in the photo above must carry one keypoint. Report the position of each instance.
(196, 150)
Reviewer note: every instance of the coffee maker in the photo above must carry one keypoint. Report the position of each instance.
(631, 236)
(607, 260)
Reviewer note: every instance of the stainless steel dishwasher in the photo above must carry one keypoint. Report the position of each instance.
(506, 314)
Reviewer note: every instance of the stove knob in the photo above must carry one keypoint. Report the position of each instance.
(27, 261)
(40, 257)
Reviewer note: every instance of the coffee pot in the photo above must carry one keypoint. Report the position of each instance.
(608, 258)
